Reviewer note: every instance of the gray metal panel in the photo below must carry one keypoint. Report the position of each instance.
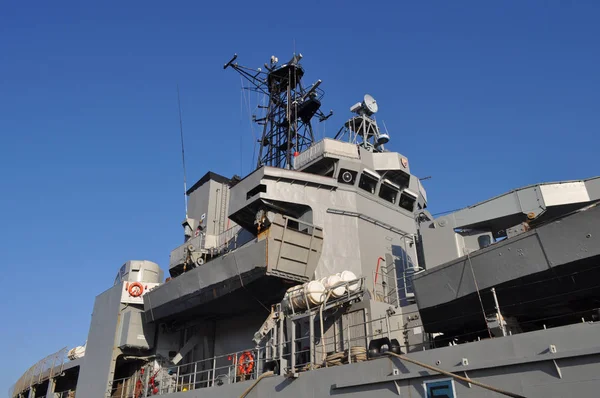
(181, 293)
(390, 161)
(379, 209)
(439, 241)
(234, 334)
(325, 148)
(134, 332)
(551, 245)
(366, 158)
(97, 364)
(141, 271)
(208, 200)
(199, 201)
(505, 261)
(238, 198)
(593, 187)
(357, 334)
(264, 175)
(572, 238)
(509, 208)
(521, 364)
(291, 252)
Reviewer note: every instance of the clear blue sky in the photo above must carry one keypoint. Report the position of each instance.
(482, 96)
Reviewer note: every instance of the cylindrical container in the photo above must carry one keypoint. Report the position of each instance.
(313, 291)
(348, 276)
(333, 280)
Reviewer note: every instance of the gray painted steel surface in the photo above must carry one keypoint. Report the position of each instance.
(523, 364)
(568, 239)
(97, 367)
(183, 293)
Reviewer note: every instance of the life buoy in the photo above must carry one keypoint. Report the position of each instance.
(246, 363)
(135, 289)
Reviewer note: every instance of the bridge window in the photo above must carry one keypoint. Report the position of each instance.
(407, 200)
(388, 191)
(368, 181)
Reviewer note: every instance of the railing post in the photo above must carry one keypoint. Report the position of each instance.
(349, 342)
(235, 359)
(228, 373)
(397, 290)
(387, 324)
(51, 387)
(280, 348)
(311, 338)
(214, 370)
(146, 381)
(293, 348)
(135, 380)
(195, 373)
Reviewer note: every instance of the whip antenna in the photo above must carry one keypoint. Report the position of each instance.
(182, 153)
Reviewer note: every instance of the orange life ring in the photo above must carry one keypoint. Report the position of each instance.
(246, 363)
(135, 289)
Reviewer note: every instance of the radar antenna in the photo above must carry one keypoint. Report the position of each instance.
(287, 119)
(362, 129)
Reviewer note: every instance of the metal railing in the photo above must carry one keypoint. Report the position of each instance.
(65, 394)
(44, 369)
(226, 236)
(222, 369)
(127, 387)
(345, 342)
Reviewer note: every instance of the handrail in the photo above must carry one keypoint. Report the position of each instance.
(44, 369)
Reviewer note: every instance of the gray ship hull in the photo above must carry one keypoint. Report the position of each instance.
(541, 364)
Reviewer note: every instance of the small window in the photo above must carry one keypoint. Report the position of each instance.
(407, 200)
(367, 183)
(388, 193)
(298, 225)
(484, 241)
(256, 190)
(439, 389)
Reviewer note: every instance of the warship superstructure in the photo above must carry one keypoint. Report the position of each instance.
(322, 273)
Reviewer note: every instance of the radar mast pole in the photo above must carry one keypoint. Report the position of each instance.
(287, 119)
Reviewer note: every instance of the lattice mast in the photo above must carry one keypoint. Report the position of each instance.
(287, 119)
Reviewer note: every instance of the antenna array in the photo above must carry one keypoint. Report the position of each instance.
(287, 119)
